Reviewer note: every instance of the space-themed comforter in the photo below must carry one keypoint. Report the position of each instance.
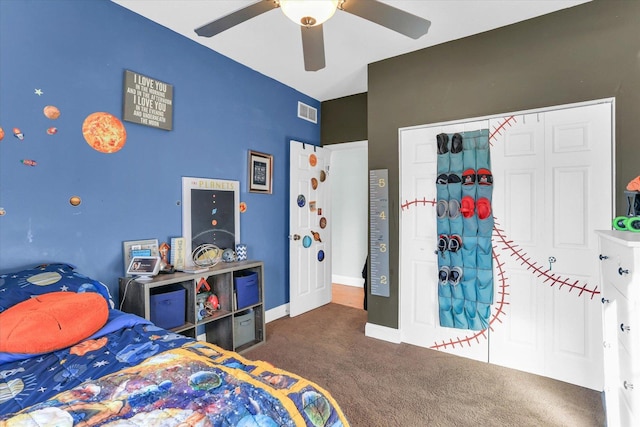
(132, 373)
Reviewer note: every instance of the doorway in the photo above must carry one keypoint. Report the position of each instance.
(349, 202)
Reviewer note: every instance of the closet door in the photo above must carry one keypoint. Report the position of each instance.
(553, 180)
(419, 306)
(518, 160)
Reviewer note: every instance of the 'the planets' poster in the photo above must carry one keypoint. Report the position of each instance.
(210, 212)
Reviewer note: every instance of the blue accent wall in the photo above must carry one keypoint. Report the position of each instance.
(76, 52)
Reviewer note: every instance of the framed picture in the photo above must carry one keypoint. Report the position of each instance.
(260, 172)
(210, 214)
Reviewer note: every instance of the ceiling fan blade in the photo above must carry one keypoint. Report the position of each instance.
(313, 47)
(235, 18)
(395, 19)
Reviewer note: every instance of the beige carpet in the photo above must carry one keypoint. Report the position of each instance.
(378, 383)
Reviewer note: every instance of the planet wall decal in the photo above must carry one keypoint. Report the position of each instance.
(75, 200)
(51, 112)
(104, 132)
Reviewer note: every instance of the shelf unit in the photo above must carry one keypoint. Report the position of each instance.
(219, 328)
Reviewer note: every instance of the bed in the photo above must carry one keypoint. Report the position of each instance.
(69, 358)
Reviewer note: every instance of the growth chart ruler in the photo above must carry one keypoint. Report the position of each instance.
(379, 232)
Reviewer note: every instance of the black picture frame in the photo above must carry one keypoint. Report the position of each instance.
(260, 172)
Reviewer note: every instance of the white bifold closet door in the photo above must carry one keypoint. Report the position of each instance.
(552, 188)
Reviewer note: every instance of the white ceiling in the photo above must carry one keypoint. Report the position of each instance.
(271, 43)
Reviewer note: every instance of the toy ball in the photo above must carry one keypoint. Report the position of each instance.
(212, 300)
(228, 255)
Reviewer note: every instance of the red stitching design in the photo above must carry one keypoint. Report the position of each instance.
(535, 268)
(424, 202)
(498, 130)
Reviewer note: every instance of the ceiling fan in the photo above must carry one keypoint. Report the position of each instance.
(311, 14)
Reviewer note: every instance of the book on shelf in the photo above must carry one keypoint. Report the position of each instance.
(178, 252)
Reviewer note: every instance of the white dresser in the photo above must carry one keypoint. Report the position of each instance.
(620, 271)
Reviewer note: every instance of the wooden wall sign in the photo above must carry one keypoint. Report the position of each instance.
(147, 101)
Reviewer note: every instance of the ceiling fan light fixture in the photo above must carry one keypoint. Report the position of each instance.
(309, 13)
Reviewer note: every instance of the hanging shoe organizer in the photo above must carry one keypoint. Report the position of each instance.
(464, 224)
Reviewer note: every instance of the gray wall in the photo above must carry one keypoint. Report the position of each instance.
(590, 51)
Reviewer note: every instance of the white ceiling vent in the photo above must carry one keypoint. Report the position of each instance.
(307, 112)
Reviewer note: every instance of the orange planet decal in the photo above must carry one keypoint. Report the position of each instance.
(51, 112)
(104, 132)
(316, 236)
(1, 134)
(243, 207)
(52, 131)
(75, 200)
(86, 346)
(313, 160)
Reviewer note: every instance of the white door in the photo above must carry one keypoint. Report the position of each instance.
(309, 228)
(552, 188)
(553, 180)
(419, 321)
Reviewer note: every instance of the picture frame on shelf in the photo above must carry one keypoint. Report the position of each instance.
(260, 172)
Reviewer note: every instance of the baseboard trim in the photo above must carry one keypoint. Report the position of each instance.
(276, 313)
(347, 280)
(382, 333)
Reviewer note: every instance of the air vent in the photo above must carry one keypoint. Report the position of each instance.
(307, 112)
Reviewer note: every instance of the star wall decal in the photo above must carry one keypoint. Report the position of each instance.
(38, 92)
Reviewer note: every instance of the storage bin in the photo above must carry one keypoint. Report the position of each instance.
(246, 289)
(244, 328)
(168, 308)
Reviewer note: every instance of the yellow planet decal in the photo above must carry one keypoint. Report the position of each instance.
(75, 200)
(44, 279)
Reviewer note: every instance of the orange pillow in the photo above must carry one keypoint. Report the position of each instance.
(51, 321)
